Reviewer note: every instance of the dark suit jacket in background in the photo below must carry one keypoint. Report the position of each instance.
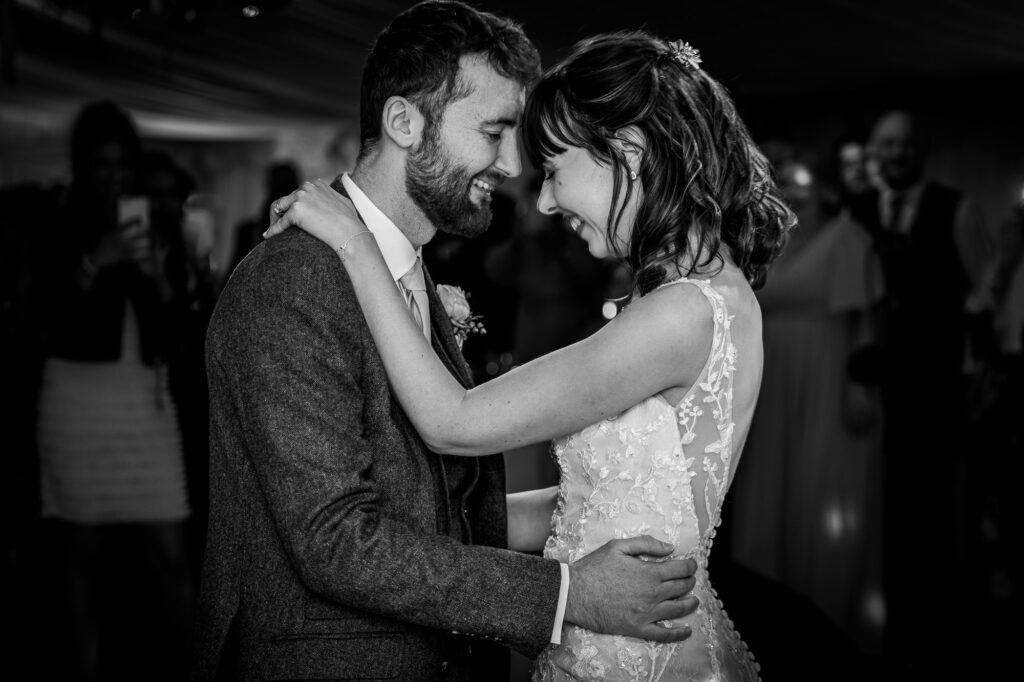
(336, 547)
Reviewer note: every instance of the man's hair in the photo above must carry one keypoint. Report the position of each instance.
(417, 57)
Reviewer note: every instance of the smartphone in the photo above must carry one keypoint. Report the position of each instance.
(133, 209)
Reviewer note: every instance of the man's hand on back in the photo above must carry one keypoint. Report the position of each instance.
(613, 591)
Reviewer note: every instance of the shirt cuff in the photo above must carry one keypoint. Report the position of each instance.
(563, 597)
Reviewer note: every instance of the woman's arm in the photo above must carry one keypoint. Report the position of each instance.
(529, 518)
(661, 341)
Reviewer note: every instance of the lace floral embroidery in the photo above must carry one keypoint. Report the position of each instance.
(664, 470)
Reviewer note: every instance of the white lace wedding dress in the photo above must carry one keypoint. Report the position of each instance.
(663, 470)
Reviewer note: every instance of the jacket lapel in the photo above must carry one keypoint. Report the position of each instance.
(443, 337)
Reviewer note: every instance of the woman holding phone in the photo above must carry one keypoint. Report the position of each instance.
(107, 431)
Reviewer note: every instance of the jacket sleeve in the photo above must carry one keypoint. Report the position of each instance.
(296, 381)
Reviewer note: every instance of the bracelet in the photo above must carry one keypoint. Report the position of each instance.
(341, 249)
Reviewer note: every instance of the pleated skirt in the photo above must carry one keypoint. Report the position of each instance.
(109, 443)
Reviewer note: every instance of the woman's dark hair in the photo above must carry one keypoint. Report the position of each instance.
(704, 181)
(97, 124)
(417, 57)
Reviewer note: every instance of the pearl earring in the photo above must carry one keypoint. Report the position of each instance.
(632, 175)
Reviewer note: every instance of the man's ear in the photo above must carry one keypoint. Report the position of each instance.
(630, 141)
(402, 122)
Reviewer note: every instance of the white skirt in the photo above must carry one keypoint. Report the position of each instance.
(109, 444)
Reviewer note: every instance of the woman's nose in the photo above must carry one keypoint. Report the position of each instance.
(546, 201)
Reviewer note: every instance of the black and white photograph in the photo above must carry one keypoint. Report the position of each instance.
(480, 340)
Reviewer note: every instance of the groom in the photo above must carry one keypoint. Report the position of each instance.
(339, 546)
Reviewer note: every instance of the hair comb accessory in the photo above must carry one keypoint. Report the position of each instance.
(685, 54)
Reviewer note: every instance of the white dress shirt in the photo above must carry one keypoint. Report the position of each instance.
(399, 255)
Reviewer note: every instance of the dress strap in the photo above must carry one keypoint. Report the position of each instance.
(721, 339)
(713, 389)
(714, 298)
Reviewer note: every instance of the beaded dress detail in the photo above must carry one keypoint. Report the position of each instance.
(662, 470)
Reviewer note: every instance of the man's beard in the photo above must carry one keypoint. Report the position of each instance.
(442, 191)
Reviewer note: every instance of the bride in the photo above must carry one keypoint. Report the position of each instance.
(647, 160)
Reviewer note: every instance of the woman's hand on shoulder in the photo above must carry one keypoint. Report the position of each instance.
(319, 210)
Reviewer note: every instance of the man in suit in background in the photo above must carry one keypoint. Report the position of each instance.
(933, 248)
(339, 546)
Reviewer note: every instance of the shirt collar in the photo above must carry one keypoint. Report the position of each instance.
(398, 251)
(909, 195)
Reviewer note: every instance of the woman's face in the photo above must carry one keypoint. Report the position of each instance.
(111, 171)
(853, 167)
(580, 188)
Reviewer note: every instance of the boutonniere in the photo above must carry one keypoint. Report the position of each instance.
(456, 305)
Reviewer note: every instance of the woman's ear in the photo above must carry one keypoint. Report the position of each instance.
(402, 122)
(630, 141)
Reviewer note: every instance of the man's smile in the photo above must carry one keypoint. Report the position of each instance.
(485, 187)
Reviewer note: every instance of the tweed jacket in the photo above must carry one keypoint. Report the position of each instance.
(332, 550)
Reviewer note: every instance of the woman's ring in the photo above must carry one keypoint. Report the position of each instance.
(278, 210)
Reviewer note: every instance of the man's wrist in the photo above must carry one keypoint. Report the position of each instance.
(572, 601)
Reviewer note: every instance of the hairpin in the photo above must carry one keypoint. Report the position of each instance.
(685, 54)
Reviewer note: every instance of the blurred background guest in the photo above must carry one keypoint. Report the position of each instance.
(168, 188)
(933, 247)
(281, 178)
(806, 510)
(110, 449)
(988, 500)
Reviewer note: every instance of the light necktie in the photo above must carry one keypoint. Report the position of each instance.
(414, 286)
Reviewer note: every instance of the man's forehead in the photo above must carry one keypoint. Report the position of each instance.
(494, 98)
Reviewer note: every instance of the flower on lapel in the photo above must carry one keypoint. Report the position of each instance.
(456, 305)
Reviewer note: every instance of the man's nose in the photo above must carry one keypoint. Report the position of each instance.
(508, 162)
